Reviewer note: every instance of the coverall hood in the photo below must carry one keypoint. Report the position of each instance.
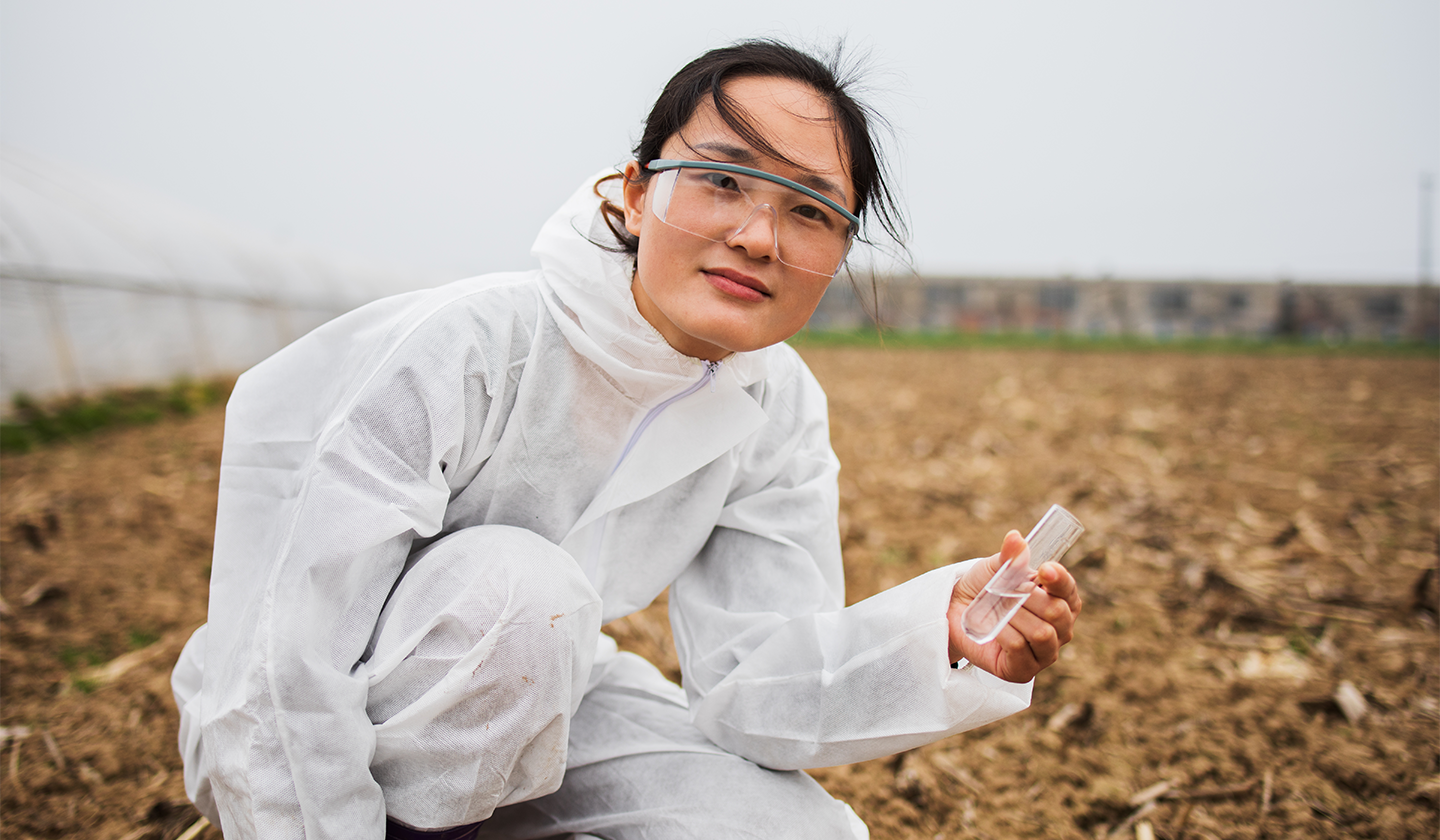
(587, 289)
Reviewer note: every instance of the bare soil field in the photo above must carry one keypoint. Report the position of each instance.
(1257, 657)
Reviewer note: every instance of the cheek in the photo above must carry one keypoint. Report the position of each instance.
(812, 293)
(661, 253)
(657, 269)
(649, 259)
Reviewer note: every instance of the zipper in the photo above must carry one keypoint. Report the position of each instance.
(592, 557)
(711, 368)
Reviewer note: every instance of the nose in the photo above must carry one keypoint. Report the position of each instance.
(758, 235)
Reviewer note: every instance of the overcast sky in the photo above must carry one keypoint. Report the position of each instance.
(1221, 139)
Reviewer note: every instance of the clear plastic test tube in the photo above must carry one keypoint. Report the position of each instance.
(1055, 533)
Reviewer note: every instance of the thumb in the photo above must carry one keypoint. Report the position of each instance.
(1013, 547)
(973, 581)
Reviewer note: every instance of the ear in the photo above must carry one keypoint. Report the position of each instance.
(634, 197)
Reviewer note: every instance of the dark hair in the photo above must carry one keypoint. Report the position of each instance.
(705, 78)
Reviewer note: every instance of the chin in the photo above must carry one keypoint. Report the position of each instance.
(747, 335)
(739, 342)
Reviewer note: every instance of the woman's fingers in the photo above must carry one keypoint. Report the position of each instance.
(1039, 641)
(1028, 644)
(970, 586)
(1013, 545)
(1056, 601)
(1012, 658)
(1032, 640)
(1051, 612)
(1058, 582)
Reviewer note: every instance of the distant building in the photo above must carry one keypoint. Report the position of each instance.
(1150, 309)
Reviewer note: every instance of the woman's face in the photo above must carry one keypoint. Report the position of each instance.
(710, 299)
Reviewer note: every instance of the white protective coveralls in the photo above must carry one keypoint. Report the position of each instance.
(428, 507)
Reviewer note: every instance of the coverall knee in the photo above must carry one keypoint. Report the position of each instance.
(479, 659)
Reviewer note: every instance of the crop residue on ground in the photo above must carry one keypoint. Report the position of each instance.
(1257, 656)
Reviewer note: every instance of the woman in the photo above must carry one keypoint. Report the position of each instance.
(429, 506)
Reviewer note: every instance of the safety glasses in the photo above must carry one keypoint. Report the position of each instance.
(716, 201)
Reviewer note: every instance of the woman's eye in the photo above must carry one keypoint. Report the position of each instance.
(813, 213)
(721, 181)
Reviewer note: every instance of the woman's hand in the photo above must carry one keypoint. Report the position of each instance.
(1031, 642)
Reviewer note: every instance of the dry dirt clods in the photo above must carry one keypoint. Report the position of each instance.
(1257, 657)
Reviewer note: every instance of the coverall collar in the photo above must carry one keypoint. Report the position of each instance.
(587, 289)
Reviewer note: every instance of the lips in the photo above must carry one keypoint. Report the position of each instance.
(737, 283)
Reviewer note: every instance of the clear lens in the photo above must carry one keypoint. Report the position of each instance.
(718, 205)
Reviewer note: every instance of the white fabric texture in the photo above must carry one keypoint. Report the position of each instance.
(507, 400)
(479, 660)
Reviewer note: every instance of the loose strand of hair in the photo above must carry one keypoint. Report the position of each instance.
(625, 241)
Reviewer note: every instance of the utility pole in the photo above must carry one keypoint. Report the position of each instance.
(1426, 320)
(1427, 227)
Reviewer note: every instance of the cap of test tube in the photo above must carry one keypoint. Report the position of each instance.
(1056, 532)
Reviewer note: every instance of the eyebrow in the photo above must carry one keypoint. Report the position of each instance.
(746, 155)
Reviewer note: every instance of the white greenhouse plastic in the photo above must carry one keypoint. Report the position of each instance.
(103, 286)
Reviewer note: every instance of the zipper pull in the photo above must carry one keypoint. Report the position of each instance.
(711, 369)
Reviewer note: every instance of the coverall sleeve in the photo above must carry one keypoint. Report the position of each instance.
(336, 460)
(775, 667)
